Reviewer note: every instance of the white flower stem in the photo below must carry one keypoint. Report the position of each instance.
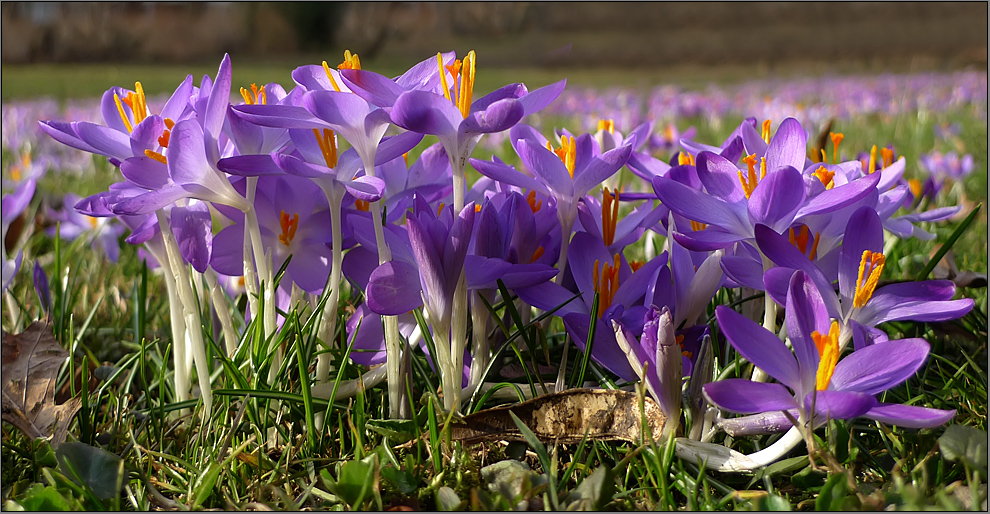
(769, 319)
(194, 329)
(720, 458)
(480, 348)
(222, 308)
(394, 351)
(181, 373)
(566, 225)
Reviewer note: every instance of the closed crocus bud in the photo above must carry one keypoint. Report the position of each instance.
(656, 358)
(700, 375)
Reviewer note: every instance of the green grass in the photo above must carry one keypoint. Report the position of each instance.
(116, 321)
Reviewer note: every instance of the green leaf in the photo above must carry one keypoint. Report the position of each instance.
(355, 481)
(404, 481)
(833, 493)
(205, 482)
(397, 430)
(808, 479)
(43, 498)
(93, 467)
(966, 444)
(594, 492)
(947, 245)
(772, 502)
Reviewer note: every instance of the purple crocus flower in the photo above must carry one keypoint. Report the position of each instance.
(13, 205)
(861, 301)
(814, 381)
(74, 224)
(656, 359)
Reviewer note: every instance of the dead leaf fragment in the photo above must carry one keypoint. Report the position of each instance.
(31, 361)
(565, 417)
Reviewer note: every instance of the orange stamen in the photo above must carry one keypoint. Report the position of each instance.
(606, 284)
(608, 125)
(825, 175)
(156, 156)
(362, 205)
(567, 152)
(685, 158)
(534, 204)
(887, 156)
(828, 351)
(697, 226)
(328, 146)
(537, 254)
(836, 139)
(750, 184)
(289, 226)
(610, 216)
(801, 238)
(766, 131)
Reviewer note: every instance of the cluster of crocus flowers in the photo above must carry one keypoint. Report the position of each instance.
(319, 180)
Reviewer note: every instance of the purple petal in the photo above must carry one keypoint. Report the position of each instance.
(426, 113)
(748, 397)
(697, 206)
(216, 107)
(499, 116)
(501, 172)
(880, 366)
(777, 198)
(365, 187)
(838, 404)
(839, 197)
(759, 346)
(536, 100)
(106, 141)
(600, 169)
(280, 116)
(65, 133)
(548, 167)
(720, 177)
(712, 238)
(193, 233)
(228, 251)
(373, 87)
(805, 314)
(250, 165)
(863, 232)
(788, 146)
(548, 296)
(918, 301)
(394, 288)
(745, 271)
(909, 416)
(482, 272)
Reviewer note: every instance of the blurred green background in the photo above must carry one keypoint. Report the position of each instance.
(70, 49)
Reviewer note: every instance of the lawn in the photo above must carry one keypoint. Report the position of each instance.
(276, 436)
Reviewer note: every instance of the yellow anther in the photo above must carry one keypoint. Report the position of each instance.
(635, 265)
(606, 284)
(836, 139)
(825, 175)
(685, 158)
(567, 152)
(887, 156)
(800, 241)
(92, 221)
(668, 132)
(870, 267)
(362, 205)
(537, 254)
(289, 226)
(477, 207)
(698, 226)
(120, 110)
(405, 158)
(333, 81)
(464, 89)
(607, 125)
(440, 208)
(443, 77)
(915, 186)
(328, 146)
(156, 156)
(749, 183)
(610, 216)
(828, 352)
(534, 204)
(256, 96)
(873, 160)
(823, 159)
(766, 131)
(351, 61)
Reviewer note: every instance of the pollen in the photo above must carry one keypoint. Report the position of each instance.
(362, 205)
(607, 125)
(351, 61)
(606, 284)
(166, 136)
(464, 89)
(156, 156)
(567, 152)
(328, 146)
(828, 351)
(825, 175)
(534, 204)
(697, 226)
(256, 96)
(766, 131)
(685, 158)
(136, 101)
(289, 226)
(749, 183)
(870, 267)
(610, 216)
(801, 238)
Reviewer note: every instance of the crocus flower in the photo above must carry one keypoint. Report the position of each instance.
(74, 224)
(814, 381)
(13, 205)
(860, 299)
(656, 359)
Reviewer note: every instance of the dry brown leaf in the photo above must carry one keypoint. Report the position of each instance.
(565, 417)
(31, 361)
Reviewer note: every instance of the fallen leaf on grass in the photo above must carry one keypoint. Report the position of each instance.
(566, 417)
(31, 361)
